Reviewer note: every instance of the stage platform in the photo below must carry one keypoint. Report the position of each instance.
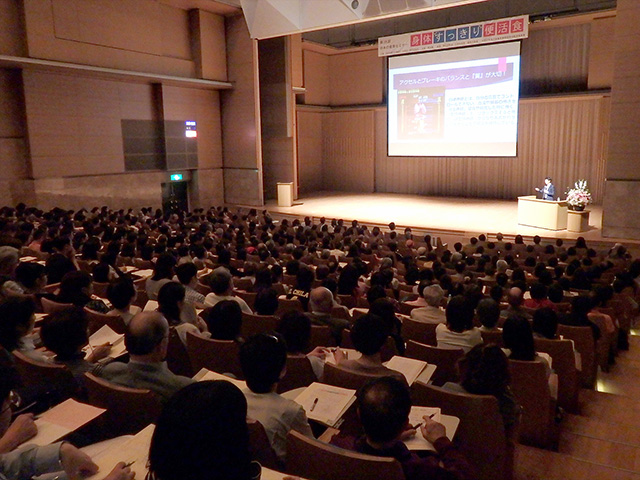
(447, 217)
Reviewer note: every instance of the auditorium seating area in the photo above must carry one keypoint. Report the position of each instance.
(588, 430)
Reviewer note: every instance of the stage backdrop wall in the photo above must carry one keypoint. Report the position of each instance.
(563, 138)
(564, 135)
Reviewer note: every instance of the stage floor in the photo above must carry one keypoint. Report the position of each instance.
(446, 216)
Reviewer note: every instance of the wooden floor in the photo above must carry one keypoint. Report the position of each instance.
(603, 442)
(439, 214)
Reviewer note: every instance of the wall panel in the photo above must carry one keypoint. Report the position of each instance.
(12, 38)
(621, 215)
(140, 36)
(241, 137)
(356, 78)
(310, 150)
(555, 60)
(203, 106)
(348, 151)
(316, 78)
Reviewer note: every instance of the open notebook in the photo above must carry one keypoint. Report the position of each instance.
(411, 369)
(105, 334)
(325, 403)
(418, 442)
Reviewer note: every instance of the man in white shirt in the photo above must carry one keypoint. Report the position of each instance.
(263, 359)
(221, 285)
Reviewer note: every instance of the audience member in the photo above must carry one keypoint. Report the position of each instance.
(432, 313)
(221, 285)
(122, 293)
(321, 305)
(488, 313)
(263, 359)
(295, 328)
(459, 331)
(146, 341)
(383, 408)
(162, 273)
(225, 321)
(76, 288)
(187, 275)
(484, 370)
(368, 334)
(214, 439)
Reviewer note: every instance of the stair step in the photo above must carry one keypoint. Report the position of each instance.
(605, 452)
(536, 464)
(604, 430)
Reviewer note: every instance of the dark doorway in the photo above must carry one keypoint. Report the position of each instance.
(175, 196)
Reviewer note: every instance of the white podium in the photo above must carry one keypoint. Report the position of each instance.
(285, 194)
(547, 214)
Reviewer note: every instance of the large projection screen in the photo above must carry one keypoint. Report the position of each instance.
(454, 103)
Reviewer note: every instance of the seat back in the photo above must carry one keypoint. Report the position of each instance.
(52, 288)
(405, 308)
(530, 386)
(260, 447)
(54, 382)
(287, 304)
(445, 360)
(341, 377)
(253, 324)
(50, 306)
(310, 458)
(100, 289)
(419, 331)
(299, 374)
(585, 345)
(321, 337)
(143, 264)
(248, 297)
(128, 409)
(480, 435)
(221, 356)
(348, 301)
(564, 364)
(493, 336)
(388, 349)
(97, 320)
(178, 359)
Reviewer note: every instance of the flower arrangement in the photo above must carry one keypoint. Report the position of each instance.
(579, 196)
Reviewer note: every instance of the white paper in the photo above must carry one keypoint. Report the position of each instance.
(418, 442)
(326, 403)
(347, 353)
(134, 450)
(48, 433)
(144, 273)
(63, 419)
(105, 334)
(151, 306)
(409, 367)
(205, 374)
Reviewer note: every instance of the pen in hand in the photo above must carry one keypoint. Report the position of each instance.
(421, 423)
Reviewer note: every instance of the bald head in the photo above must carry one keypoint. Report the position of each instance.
(321, 300)
(516, 296)
(145, 333)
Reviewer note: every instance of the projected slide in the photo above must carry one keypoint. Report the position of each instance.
(455, 103)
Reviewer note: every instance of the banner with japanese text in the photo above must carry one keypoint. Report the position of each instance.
(491, 31)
